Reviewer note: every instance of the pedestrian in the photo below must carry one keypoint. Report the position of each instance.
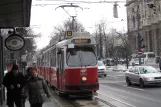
(28, 73)
(36, 89)
(27, 76)
(14, 82)
(9, 66)
(160, 63)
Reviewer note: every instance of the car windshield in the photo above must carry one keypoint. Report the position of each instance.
(100, 63)
(146, 70)
(81, 56)
(136, 59)
(151, 55)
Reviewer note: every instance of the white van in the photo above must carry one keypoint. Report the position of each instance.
(149, 57)
(101, 69)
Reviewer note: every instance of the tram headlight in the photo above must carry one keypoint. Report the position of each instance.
(84, 79)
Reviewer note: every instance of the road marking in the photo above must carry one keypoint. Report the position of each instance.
(108, 82)
(112, 76)
(126, 92)
(116, 100)
(133, 88)
(120, 75)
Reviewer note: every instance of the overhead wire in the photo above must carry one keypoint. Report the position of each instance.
(63, 16)
(78, 2)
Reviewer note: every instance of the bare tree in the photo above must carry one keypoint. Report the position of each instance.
(100, 34)
(125, 46)
(30, 44)
(59, 31)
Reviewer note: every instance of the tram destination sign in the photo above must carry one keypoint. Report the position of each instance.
(81, 41)
(14, 42)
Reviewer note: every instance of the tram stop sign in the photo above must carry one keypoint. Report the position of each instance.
(14, 42)
(140, 52)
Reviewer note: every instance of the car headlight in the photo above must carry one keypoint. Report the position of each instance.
(84, 79)
(149, 79)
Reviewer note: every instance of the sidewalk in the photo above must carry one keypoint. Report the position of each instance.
(46, 104)
(123, 68)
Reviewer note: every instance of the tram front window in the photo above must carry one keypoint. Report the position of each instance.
(81, 56)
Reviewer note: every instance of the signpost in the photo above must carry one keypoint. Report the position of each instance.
(140, 52)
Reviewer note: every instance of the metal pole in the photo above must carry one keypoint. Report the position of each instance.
(2, 91)
(138, 30)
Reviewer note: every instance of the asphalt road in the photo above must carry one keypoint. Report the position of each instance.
(114, 87)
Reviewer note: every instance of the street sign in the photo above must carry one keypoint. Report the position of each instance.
(14, 42)
(140, 52)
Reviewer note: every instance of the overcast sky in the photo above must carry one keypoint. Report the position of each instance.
(45, 18)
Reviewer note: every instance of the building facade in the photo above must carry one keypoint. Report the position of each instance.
(144, 16)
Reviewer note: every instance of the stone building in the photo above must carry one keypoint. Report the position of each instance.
(148, 20)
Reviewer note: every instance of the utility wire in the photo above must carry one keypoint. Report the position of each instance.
(78, 2)
(63, 16)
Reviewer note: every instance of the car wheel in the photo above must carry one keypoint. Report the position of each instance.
(128, 81)
(141, 83)
(105, 75)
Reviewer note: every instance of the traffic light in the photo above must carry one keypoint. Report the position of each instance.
(152, 6)
(115, 12)
(140, 42)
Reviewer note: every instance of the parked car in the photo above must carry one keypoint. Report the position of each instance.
(143, 75)
(135, 61)
(101, 68)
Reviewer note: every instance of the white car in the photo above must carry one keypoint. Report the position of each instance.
(101, 68)
(135, 61)
(143, 75)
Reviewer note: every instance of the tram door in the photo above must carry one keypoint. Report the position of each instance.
(60, 69)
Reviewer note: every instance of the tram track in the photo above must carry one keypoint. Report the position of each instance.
(62, 101)
(105, 102)
(103, 98)
(100, 100)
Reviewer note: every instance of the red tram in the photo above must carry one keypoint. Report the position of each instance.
(71, 65)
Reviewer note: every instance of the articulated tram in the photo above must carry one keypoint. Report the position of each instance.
(71, 65)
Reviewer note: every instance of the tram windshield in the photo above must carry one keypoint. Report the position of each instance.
(81, 56)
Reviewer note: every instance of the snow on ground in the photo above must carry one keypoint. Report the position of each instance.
(123, 68)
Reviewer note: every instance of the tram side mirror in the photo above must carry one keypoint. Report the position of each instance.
(70, 46)
(59, 52)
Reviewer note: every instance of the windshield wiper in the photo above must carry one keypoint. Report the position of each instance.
(80, 60)
(90, 63)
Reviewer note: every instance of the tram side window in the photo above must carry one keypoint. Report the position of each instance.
(43, 60)
(53, 58)
(48, 58)
(62, 62)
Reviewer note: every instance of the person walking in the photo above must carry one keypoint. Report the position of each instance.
(27, 76)
(14, 82)
(36, 89)
(28, 73)
(160, 63)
